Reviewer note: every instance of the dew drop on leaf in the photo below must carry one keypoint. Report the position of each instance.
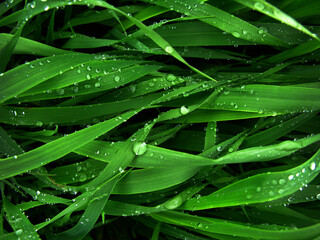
(259, 6)
(169, 49)
(236, 34)
(139, 148)
(312, 166)
(116, 78)
(174, 202)
(184, 110)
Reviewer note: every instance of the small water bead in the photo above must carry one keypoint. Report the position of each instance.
(121, 170)
(184, 110)
(116, 78)
(82, 177)
(236, 34)
(87, 86)
(60, 91)
(312, 166)
(46, 8)
(174, 202)
(97, 85)
(89, 68)
(291, 177)
(139, 148)
(169, 49)
(259, 6)
(280, 191)
(171, 77)
(132, 88)
(282, 181)
(88, 77)
(18, 232)
(271, 193)
(318, 196)
(274, 182)
(39, 123)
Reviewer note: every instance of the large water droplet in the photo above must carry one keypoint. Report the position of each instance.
(18, 232)
(236, 34)
(116, 78)
(60, 91)
(39, 123)
(139, 148)
(312, 166)
(169, 49)
(173, 203)
(171, 77)
(259, 6)
(184, 110)
(291, 177)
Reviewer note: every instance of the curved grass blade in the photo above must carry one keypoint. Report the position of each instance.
(272, 11)
(234, 229)
(21, 225)
(24, 77)
(50, 152)
(260, 188)
(222, 20)
(31, 47)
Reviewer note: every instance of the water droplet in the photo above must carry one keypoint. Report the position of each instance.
(291, 177)
(184, 110)
(121, 170)
(132, 88)
(87, 86)
(312, 166)
(171, 77)
(97, 85)
(39, 123)
(60, 91)
(318, 196)
(88, 77)
(282, 181)
(271, 193)
(236, 34)
(139, 148)
(169, 49)
(116, 78)
(18, 232)
(259, 6)
(174, 202)
(38, 192)
(46, 8)
(258, 189)
(280, 191)
(82, 177)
